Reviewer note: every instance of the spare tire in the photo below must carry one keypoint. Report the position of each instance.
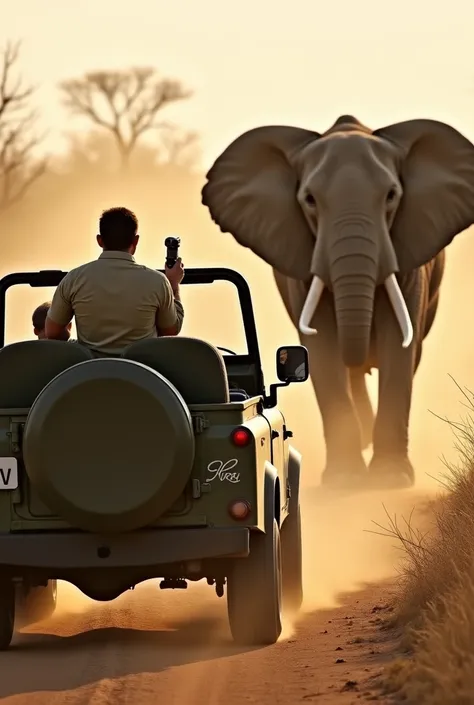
(109, 445)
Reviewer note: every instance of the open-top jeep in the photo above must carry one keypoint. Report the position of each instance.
(169, 462)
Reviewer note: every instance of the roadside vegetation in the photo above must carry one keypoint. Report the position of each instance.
(436, 598)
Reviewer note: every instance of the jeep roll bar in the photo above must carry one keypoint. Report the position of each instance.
(206, 275)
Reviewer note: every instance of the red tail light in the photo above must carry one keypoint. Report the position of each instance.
(241, 436)
(239, 509)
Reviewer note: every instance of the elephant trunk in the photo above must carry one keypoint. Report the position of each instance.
(354, 306)
(354, 276)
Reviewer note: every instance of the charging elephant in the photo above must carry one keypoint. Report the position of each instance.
(354, 223)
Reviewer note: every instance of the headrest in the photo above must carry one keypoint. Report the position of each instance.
(193, 366)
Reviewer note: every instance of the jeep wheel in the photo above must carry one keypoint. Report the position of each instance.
(7, 613)
(254, 591)
(292, 563)
(37, 603)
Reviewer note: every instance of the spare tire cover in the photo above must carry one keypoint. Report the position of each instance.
(109, 445)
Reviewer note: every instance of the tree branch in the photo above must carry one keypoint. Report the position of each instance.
(126, 103)
(18, 141)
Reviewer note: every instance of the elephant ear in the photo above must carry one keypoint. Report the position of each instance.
(251, 193)
(437, 175)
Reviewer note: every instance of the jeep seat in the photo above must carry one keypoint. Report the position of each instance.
(193, 366)
(27, 367)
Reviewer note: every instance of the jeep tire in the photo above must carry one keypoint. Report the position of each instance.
(254, 591)
(7, 613)
(292, 563)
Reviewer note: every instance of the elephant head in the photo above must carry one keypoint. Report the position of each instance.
(346, 210)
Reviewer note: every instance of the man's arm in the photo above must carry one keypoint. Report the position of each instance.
(60, 313)
(170, 313)
(176, 329)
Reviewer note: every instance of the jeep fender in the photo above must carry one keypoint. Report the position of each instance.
(270, 500)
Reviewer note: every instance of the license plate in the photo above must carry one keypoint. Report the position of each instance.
(8, 473)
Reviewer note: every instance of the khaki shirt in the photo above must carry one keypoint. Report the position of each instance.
(116, 302)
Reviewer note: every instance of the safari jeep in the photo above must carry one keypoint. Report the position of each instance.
(169, 462)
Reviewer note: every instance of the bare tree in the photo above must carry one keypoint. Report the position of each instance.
(127, 103)
(18, 139)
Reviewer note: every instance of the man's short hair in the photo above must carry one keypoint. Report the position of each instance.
(39, 315)
(118, 228)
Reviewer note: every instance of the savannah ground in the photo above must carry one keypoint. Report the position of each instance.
(176, 645)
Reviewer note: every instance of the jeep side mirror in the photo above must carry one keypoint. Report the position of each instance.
(292, 364)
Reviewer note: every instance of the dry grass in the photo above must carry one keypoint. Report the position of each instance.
(436, 600)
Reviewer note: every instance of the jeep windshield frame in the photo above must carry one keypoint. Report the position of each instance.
(205, 275)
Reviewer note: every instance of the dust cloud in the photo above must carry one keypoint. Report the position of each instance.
(345, 541)
(55, 229)
(343, 551)
(71, 600)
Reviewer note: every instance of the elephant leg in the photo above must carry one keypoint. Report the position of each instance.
(363, 406)
(344, 461)
(390, 464)
(342, 435)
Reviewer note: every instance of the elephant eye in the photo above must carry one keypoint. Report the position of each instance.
(391, 195)
(310, 200)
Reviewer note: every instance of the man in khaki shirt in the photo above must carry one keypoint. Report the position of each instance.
(116, 301)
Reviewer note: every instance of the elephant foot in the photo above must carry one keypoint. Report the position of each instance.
(391, 473)
(345, 476)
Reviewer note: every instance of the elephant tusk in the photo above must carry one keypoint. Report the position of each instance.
(312, 300)
(400, 309)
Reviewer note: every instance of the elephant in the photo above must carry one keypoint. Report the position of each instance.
(354, 223)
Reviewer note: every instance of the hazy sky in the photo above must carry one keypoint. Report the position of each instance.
(259, 61)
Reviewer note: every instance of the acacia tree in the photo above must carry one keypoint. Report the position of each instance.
(18, 138)
(127, 103)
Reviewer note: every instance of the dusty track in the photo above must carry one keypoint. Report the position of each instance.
(175, 648)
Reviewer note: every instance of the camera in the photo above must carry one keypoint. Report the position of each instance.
(172, 245)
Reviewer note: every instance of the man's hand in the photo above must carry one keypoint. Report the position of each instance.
(175, 274)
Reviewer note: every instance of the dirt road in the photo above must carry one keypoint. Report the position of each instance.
(175, 647)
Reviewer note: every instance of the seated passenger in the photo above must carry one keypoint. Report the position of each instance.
(39, 320)
(116, 301)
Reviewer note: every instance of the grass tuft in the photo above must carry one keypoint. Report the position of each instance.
(435, 603)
